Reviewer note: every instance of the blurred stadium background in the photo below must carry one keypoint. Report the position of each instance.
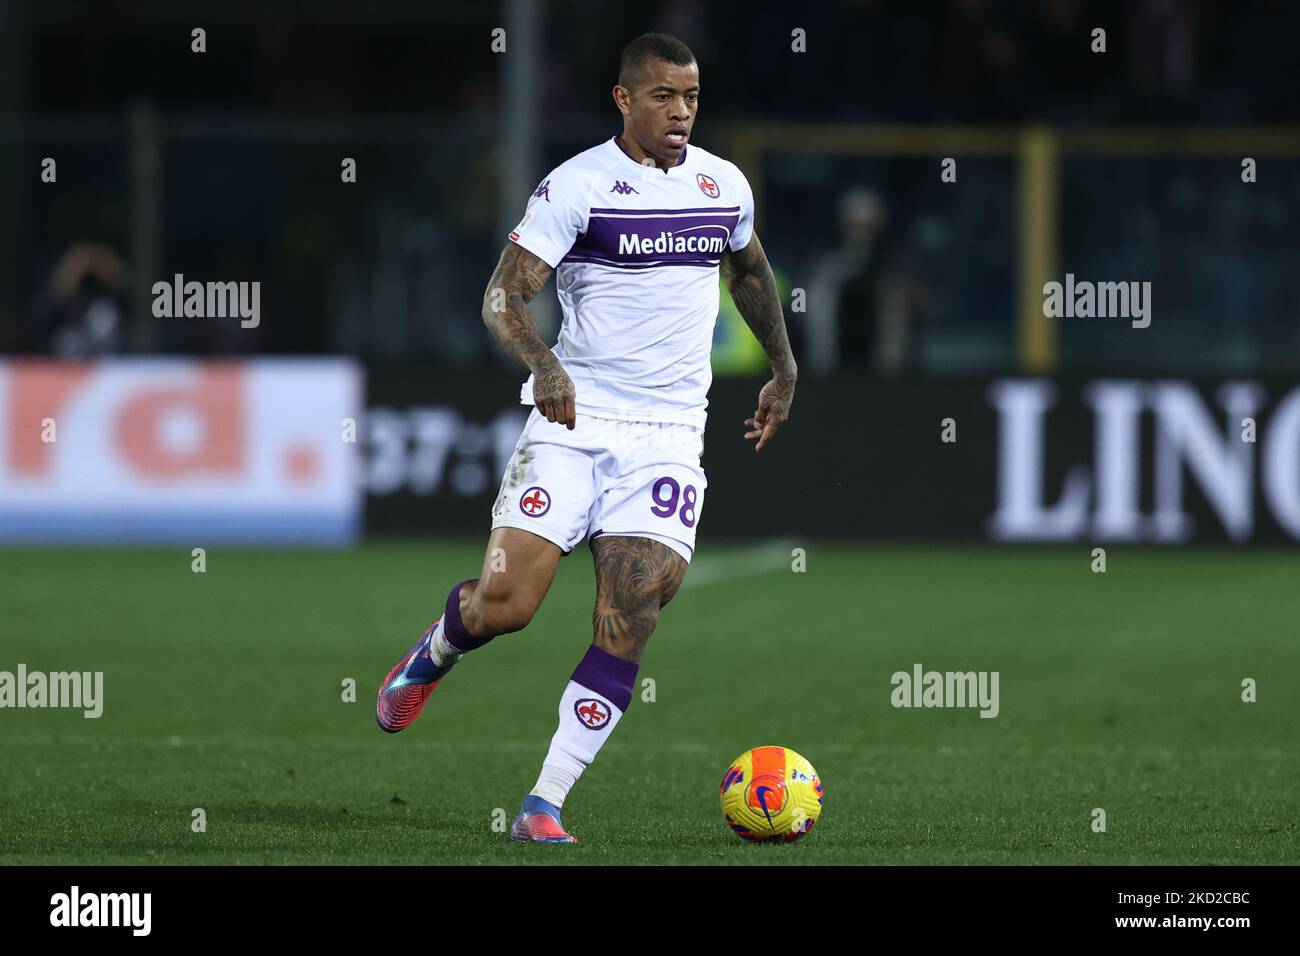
(916, 294)
(923, 303)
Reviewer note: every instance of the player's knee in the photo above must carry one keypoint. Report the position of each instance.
(641, 614)
(669, 591)
(644, 604)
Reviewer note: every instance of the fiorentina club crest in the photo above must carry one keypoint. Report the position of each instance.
(707, 185)
(593, 713)
(535, 502)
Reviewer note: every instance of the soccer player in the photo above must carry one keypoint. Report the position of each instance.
(635, 230)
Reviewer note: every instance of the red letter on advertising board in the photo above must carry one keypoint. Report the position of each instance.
(215, 399)
(38, 390)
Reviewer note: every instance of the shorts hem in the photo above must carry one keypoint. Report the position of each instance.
(534, 529)
(674, 543)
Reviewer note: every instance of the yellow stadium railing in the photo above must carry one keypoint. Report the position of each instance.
(1037, 151)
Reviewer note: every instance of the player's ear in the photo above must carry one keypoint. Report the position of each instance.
(623, 99)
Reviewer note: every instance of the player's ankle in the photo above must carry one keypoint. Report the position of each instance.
(443, 653)
(536, 802)
(460, 625)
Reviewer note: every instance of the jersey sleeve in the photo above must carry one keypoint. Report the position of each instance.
(556, 216)
(744, 230)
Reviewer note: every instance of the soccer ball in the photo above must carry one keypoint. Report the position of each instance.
(771, 795)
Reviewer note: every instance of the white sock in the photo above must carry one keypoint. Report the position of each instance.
(440, 650)
(586, 721)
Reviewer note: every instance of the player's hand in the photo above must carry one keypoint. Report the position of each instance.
(553, 394)
(773, 411)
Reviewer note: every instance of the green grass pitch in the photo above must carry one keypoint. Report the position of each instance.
(223, 692)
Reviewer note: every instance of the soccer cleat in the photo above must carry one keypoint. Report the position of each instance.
(407, 687)
(539, 822)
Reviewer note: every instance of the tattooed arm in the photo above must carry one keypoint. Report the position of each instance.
(519, 276)
(753, 288)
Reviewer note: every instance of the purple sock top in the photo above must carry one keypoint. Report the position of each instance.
(454, 629)
(611, 677)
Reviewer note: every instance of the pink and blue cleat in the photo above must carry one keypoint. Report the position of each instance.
(408, 686)
(539, 822)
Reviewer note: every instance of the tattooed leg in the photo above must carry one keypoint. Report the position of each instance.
(635, 577)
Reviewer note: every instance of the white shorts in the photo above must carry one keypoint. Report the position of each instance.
(607, 476)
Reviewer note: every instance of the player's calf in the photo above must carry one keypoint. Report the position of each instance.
(502, 612)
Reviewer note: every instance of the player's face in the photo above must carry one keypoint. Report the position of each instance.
(660, 111)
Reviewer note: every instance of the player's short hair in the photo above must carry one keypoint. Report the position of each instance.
(651, 46)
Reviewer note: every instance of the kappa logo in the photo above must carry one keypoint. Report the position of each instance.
(623, 188)
(708, 185)
(535, 502)
(544, 190)
(594, 714)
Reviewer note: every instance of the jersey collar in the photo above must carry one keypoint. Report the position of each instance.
(681, 160)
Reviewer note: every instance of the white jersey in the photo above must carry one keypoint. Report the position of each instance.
(636, 251)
